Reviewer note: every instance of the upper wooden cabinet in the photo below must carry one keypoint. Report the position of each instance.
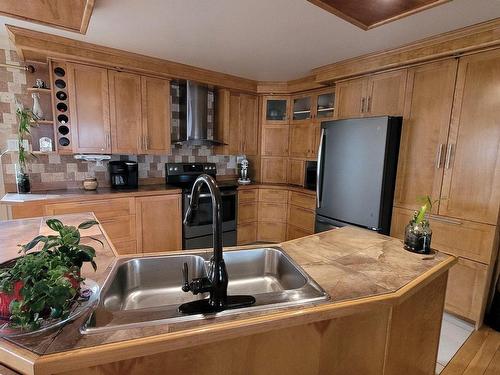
(89, 102)
(303, 140)
(156, 116)
(471, 181)
(303, 108)
(275, 110)
(236, 123)
(377, 95)
(275, 140)
(118, 112)
(125, 112)
(426, 120)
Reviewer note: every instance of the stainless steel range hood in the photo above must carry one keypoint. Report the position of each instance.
(193, 117)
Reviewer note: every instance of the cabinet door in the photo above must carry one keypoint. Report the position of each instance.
(125, 112)
(302, 140)
(275, 140)
(386, 94)
(249, 127)
(302, 109)
(350, 96)
(273, 170)
(159, 223)
(429, 100)
(471, 182)
(466, 290)
(275, 110)
(156, 115)
(325, 105)
(247, 233)
(296, 172)
(89, 103)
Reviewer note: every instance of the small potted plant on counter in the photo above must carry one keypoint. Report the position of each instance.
(418, 233)
(42, 288)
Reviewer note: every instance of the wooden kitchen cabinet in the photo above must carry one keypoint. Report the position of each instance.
(302, 140)
(156, 116)
(125, 112)
(247, 233)
(466, 289)
(275, 110)
(303, 107)
(247, 212)
(375, 95)
(296, 172)
(471, 181)
(275, 140)
(89, 103)
(271, 232)
(236, 125)
(159, 223)
(427, 112)
(273, 170)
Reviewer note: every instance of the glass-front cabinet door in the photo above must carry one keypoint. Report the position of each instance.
(302, 108)
(276, 109)
(325, 105)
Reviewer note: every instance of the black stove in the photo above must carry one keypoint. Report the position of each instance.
(199, 233)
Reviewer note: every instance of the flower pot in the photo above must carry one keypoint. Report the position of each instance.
(7, 298)
(418, 237)
(23, 183)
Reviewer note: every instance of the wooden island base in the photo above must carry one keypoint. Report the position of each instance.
(377, 336)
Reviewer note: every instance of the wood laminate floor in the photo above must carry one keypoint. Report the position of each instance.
(480, 355)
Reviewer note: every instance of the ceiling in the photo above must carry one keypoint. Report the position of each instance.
(257, 39)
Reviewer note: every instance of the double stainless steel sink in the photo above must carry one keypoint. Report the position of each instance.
(147, 291)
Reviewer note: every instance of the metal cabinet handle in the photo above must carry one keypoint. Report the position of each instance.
(145, 142)
(369, 104)
(363, 101)
(439, 155)
(446, 220)
(448, 155)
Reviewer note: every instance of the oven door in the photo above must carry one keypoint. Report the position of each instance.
(201, 223)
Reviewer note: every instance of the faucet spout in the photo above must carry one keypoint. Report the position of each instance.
(217, 281)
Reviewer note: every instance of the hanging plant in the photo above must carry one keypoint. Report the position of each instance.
(26, 120)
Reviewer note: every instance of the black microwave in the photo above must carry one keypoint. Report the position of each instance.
(310, 175)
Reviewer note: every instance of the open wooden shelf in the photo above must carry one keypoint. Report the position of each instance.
(43, 122)
(36, 89)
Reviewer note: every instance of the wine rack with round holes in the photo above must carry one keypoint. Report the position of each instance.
(62, 122)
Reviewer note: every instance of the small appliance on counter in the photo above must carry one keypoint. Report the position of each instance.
(124, 174)
(310, 174)
(244, 180)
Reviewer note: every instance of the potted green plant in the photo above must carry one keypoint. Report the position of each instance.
(43, 285)
(26, 120)
(418, 233)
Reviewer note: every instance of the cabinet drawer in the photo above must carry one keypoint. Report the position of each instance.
(247, 195)
(247, 233)
(120, 228)
(303, 200)
(458, 237)
(301, 218)
(272, 212)
(103, 209)
(247, 212)
(293, 232)
(126, 247)
(271, 232)
(465, 293)
(273, 195)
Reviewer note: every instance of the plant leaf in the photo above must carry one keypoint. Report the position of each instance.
(30, 245)
(55, 225)
(87, 224)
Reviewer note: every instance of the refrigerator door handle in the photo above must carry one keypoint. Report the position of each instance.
(319, 172)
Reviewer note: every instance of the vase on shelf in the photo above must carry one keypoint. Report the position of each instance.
(37, 107)
(23, 183)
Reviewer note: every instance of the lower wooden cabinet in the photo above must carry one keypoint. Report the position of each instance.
(301, 217)
(159, 223)
(271, 232)
(247, 233)
(475, 245)
(247, 212)
(466, 289)
(293, 232)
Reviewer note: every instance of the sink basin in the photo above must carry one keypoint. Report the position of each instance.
(147, 291)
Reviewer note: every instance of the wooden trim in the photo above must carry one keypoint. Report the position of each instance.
(467, 39)
(33, 45)
(364, 26)
(44, 15)
(289, 87)
(15, 357)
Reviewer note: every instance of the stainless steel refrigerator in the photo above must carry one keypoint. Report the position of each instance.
(357, 162)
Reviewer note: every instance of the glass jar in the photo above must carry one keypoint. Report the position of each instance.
(418, 237)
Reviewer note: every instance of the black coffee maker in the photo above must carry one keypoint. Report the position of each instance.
(124, 174)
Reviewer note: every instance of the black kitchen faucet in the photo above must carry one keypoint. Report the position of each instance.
(217, 280)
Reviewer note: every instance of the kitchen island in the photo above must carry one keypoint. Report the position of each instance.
(383, 316)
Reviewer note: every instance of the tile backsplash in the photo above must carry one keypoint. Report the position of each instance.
(53, 171)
